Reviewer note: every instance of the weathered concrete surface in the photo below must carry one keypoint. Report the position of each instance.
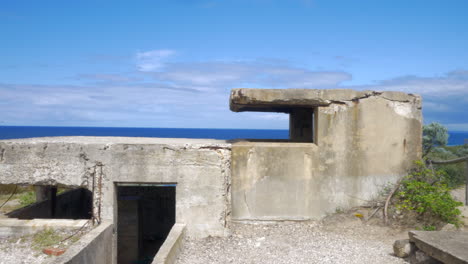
(363, 140)
(169, 251)
(282, 100)
(16, 227)
(94, 247)
(200, 168)
(445, 246)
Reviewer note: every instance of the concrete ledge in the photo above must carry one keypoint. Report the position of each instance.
(445, 246)
(283, 100)
(94, 247)
(17, 227)
(168, 252)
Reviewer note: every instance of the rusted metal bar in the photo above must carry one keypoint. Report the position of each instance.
(456, 161)
(466, 183)
(449, 161)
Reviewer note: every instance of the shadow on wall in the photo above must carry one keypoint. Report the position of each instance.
(72, 204)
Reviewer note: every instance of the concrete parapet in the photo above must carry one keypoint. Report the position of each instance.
(169, 251)
(94, 247)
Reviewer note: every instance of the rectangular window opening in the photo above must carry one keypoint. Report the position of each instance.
(45, 202)
(302, 126)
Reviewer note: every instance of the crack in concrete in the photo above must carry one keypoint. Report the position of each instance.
(215, 147)
(168, 148)
(246, 204)
(2, 155)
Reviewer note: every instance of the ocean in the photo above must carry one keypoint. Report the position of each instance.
(10, 132)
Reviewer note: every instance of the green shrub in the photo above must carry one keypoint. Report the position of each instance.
(429, 228)
(425, 192)
(27, 198)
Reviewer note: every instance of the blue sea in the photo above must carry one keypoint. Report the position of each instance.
(9, 132)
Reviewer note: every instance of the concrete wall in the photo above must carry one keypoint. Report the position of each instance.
(200, 168)
(171, 248)
(360, 145)
(94, 247)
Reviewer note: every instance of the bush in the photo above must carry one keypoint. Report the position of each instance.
(426, 193)
(27, 198)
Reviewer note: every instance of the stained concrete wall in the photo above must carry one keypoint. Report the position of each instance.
(200, 168)
(362, 142)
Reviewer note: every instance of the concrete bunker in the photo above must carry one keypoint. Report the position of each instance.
(145, 216)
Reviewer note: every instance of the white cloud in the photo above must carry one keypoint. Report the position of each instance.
(196, 94)
(271, 74)
(270, 116)
(454, 83)
(436, 107)
(152, 60)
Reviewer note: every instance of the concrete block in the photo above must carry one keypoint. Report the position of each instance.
(444, 246)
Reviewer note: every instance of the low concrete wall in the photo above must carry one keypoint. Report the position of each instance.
(94, 247)
(16, 227)
(169, 251)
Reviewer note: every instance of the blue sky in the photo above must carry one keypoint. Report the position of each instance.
(165, 63)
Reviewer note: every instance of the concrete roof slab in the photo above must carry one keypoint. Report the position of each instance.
(283, 100)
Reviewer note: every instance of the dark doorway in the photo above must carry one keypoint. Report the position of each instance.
(146, 214)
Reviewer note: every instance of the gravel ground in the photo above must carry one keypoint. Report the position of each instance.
(19, 250)
(343, 238)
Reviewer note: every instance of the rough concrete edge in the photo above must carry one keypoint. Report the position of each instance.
(18, 227)
(169, 251)
(42, 222)
(436, 253)
(238, 100)
(82, 244)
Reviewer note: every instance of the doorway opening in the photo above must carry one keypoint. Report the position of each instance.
(145, 215)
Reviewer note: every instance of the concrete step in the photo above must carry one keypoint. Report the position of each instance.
(445, 246)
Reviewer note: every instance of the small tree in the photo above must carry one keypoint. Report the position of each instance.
(434, 135)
